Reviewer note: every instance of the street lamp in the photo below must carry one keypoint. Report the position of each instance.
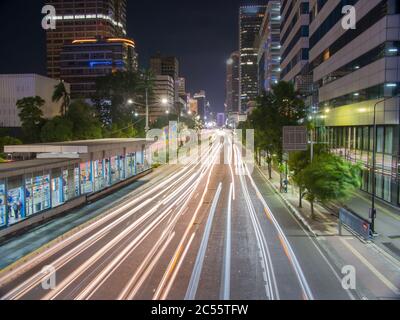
(373, 208)
(164, 101)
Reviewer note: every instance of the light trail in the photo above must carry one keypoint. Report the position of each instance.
(166, 282)
(126, 252)
(35, 280)
(226, 283)
(198, 266)
(269, 274)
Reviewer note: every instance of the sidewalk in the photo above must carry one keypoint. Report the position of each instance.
(387, 223)
(325, 223)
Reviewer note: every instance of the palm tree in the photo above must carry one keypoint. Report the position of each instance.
(61, 93)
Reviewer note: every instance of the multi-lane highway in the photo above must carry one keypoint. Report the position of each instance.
(210, 229)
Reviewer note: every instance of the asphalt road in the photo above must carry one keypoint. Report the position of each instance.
(206, 230)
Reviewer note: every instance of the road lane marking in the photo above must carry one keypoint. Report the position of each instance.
(313, 241)
(228, 250)
(375, 271)
(272, 290)
(198, 267)
(175, 270)
(296, 265)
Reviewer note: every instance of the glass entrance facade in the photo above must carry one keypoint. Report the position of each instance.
(356, 145)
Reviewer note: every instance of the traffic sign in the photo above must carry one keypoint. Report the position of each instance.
(295, 138)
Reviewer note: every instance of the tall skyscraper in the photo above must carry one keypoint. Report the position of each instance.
(250, 20)
(233, 83)
(269, 54)
(167, 66)
(84, 61)
(358, 76)
(295, 44)
(82, 19)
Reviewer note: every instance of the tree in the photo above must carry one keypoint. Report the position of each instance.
(300, 160)
(329, 177)
(61, 93)
(58, 129)
(112, 94)
(276, 109)
(31, 116)
(7, 141)
(118, 130)
(86, 125)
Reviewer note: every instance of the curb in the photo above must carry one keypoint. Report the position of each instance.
(291, 208)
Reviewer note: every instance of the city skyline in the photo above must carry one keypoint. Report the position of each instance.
(200, 151)
(209, 33)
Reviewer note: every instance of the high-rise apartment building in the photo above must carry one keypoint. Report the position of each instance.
(163, 99)
(167, 66)
(82, 19)
(295, 44)
(357, 72)
(84, 61)
(269, 53)
(233, 83)
(250, 20)
(202, 105)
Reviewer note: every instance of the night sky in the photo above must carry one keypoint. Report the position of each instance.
(201, 33)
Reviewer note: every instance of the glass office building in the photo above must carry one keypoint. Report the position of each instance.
(84, 61)
(81, 19)
(358, 80)
(250, 21)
